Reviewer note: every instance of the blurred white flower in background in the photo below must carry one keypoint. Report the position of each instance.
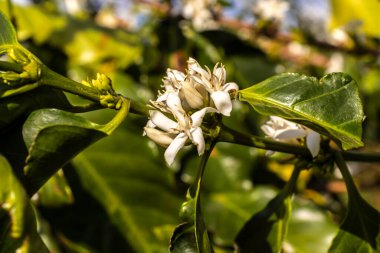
(274, 10)
(200, 13)
(284, 130)
(179, 109)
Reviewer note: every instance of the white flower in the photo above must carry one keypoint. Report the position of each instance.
(180, 108)
(215, 84)
(282, 129)
(174, 134)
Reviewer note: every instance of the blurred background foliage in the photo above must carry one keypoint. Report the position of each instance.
(118, 195)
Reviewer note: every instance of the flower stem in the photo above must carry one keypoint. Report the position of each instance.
(55, 80)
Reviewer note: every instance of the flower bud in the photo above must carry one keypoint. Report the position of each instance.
(160, 137)
(193, 98)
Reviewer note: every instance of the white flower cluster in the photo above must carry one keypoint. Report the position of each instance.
(285, 130)
(180, 108)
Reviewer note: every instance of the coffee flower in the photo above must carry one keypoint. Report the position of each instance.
(179, 109)
(285, 130)
(215, 84)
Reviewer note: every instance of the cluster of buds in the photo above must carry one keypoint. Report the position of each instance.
(30, 71)
(179, 109)
(108, 96)
(284, 130)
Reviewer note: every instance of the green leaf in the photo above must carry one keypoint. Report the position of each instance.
(54, 137)
(310, 228)
(360, 230)
(133, 186)
(331, 106)
(8, 34)
(266, 230)
(55, 192)
(20, 230)
(366, 12)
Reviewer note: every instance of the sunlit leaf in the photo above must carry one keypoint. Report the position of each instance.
(8, 33)
(331, 106)
(363, 13)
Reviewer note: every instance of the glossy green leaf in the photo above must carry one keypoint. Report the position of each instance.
(134, 187)
(8, 34)
(267, 229)
(360, 230)
(54, 137)
(20, 231)
(353, 11)
(331, 106)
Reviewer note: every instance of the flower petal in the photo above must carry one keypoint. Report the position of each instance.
(198, 140)
(161, 121)
(313, 142)
(222, 102)
(288, 134)
(174, 147)
(230, 86)
(174, 104)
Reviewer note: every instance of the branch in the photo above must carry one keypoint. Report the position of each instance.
(232, 136)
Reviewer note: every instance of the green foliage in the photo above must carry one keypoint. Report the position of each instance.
(360, 230)
(266, 230)
(118, 195)
(8, 34)
(137, 193)
(331, 106)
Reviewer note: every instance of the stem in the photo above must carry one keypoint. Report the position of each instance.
(10, 66)
(201, 169)
(55, 80)
(351, 187)
(361, 156)
(201, 237)
(232, 136)
(139, 108)
(119, 117)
